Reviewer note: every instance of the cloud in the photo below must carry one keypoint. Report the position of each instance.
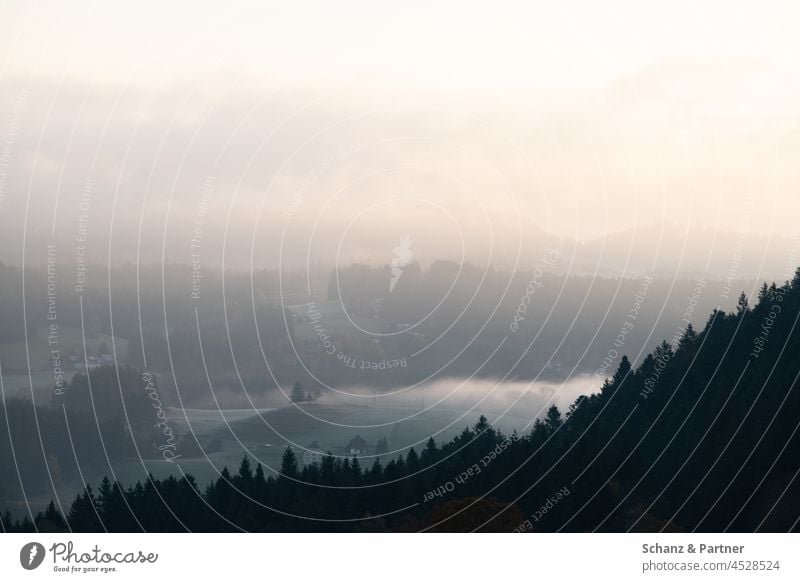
(339, 173)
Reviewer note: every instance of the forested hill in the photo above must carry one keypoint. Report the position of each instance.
(701, 436)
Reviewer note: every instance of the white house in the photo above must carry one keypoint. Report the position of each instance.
(356, 447)
(312, 454)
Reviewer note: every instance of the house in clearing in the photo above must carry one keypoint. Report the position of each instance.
(312, 454)
(356, 447)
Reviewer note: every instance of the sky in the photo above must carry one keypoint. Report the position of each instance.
(283, 133)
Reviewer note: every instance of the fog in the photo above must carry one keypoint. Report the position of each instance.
(495, 398)
(248, 146)
(242, 236)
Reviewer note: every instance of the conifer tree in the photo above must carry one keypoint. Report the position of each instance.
(289, 463)
(742, 305)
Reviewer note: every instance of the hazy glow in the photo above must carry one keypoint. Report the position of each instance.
(486, 123)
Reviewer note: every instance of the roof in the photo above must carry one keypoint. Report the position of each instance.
(357, 443)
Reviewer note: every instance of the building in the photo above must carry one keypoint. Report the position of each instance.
(356, 447)
(312, 454)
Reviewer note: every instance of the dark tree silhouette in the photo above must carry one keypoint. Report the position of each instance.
(701, 436)
(298, 394)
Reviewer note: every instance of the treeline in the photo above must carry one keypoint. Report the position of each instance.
(99, 417)
(145, 306)
(550, 324)
(242, 321)
(701, 436)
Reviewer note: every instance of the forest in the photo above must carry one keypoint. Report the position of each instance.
(701, 435)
